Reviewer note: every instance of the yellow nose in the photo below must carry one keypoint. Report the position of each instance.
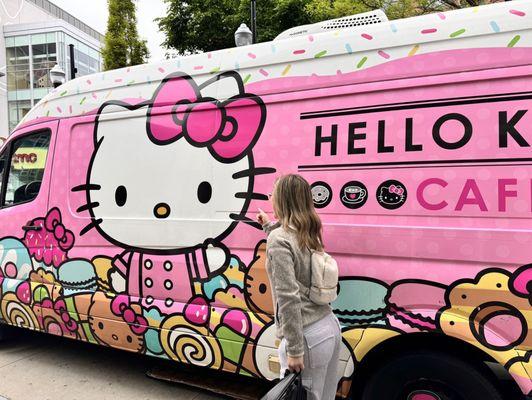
(161, 210)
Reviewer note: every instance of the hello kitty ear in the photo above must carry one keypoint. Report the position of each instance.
(108, 108)
(223, 86)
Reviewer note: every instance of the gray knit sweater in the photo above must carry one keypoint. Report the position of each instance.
(288, 268)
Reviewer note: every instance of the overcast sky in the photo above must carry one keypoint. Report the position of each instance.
(94, 14)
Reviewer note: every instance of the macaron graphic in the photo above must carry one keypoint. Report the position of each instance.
(76, 277)
(414, 305)
(361, 302)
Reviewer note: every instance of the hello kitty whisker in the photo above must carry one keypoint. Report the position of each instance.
(85, 187)
(253, 171)
(93, 224)
(252, 195)
(246, 220)
(89, 206)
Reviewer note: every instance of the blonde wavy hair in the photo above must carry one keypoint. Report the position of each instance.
(293, 206)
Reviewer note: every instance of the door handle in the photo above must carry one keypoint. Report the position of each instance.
(31, 228)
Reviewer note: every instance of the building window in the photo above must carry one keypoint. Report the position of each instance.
(18, 64)
(44, 54)
(17, 111)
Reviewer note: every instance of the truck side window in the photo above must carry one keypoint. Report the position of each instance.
(26, 168)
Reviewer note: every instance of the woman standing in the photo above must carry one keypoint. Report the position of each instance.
(310, 333)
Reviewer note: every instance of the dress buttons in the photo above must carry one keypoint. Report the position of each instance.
(168, 265)
(148, 282)
(169, 302)
(148, 264)
(168, 284)
(149, 300)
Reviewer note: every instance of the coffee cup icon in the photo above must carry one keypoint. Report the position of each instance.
(354, 194)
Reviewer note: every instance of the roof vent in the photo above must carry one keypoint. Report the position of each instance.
(364, 19)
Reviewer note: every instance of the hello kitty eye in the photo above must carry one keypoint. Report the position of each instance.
(120, 196)
(204, 192)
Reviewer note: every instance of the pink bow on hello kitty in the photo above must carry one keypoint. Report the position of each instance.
(229, 128)
(53, 224)
(396, 189)
(121, 308)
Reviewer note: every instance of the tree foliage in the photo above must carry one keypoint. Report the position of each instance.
(205, 25)
(123, 47)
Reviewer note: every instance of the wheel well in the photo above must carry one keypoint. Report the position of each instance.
(404, 344)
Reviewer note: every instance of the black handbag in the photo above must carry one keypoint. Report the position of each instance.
(288, 388)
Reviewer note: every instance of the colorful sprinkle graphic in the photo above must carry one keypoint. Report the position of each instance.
(286, 69)
(247, 78)
(367, 36)
(118, 80)
(161, 69)
(413, 51)
(59, 110)
(310, 38)
(263, 72)
(251, 55)
(441, 15)
(348, 48)
(457, 33)
(89, 82)
(320, 54)
(63, 93)
(82, 101)
(362, 62)
(514, 41)
(394, 28)
(214, 70)
(274, 49)
(518, 13)
(301, 51)
(383, 54)
(198, 67)
(430, 30)
(495, 26)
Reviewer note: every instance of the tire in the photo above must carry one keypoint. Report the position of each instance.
(6, 332)
(426, 376)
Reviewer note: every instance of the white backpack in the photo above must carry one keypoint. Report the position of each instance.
(323, 278)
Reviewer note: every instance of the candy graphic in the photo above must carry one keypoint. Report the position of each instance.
(216, 283)
(23, 292)
(233, 273)
(413, 305)
(77, 277)
(15, 263)
(16, 313)
(190, 344)
(238, 321)
(360, 302)
(52, 242)
(197, 311)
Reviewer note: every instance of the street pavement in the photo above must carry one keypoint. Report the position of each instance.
(35, 366)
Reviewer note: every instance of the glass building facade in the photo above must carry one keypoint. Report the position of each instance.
(29, 60)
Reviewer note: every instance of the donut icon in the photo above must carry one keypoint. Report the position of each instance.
(321, 194)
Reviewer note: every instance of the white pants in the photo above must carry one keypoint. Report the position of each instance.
(322, 347)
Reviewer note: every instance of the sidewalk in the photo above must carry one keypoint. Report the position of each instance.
(37, 366)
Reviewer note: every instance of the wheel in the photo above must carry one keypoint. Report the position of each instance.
(428, 376)
(6, 332)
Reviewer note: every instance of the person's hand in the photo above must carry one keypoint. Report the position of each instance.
(295, 364)
(262, 217)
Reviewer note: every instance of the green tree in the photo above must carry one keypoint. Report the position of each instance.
(205, 25)
(123, 47)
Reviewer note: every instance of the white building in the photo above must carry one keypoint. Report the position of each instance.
(34, 36)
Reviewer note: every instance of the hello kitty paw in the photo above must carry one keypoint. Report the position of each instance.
(117, 281)
(217, 257)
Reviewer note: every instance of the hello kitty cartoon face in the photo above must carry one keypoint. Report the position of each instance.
(170, 173)
(388, 197)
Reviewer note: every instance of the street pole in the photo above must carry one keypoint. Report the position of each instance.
(254, 20)
(73, 68)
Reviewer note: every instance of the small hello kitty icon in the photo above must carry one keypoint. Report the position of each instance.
(391, 194)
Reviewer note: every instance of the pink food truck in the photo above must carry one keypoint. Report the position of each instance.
(128, 201)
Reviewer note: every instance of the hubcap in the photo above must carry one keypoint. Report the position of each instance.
(423, 395)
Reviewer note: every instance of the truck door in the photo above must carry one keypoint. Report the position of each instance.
(25, 170)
